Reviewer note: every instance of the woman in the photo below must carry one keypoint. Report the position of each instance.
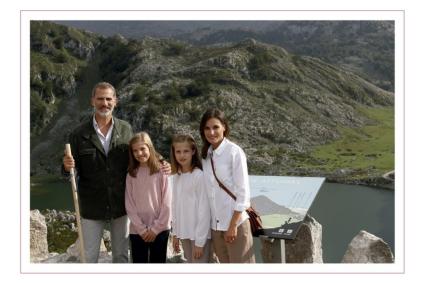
(225, 162)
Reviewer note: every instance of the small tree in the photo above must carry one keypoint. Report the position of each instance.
(139, 94)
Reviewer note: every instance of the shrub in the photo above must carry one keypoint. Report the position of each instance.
(139, 94)
(174, 93)
(197, 88)
(58, 42)
(61, 57)
(260, 59)
(174, 49)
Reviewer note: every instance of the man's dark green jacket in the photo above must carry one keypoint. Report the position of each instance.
(101, 177)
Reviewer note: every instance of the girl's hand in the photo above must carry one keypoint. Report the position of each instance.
(231, 234)
(149, 236)
(197, 252)
(144, 236)
(176, 244)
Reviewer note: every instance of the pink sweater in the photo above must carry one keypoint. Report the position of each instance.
(148, 202)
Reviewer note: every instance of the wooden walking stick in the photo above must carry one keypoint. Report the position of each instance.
(77, 207)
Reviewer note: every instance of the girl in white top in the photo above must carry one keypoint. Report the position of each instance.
(190, 207)
(231, 232)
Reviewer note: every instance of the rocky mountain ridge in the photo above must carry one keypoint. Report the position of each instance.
(363, 47)
(280, 105)
(58, 54)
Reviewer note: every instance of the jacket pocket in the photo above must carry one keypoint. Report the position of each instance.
(87, 159)
(89, 151)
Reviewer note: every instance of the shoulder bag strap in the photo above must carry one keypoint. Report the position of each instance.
(220, 183)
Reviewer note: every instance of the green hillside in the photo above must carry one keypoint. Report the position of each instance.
(293, 115)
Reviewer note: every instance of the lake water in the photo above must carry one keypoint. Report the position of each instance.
(342, 210)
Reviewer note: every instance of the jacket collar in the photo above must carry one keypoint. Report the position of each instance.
(90, 134)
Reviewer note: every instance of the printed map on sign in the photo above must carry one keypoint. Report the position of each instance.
(283, 202)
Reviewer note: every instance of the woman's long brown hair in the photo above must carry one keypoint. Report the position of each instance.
(211, 113)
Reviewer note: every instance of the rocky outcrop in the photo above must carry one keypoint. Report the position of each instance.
(305, 248)
(38, 236)
(60, 229)
(389, 175)
(79, 49)
(58, 56)
(72, 255)
(368, 248)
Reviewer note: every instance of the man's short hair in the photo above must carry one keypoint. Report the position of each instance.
(103, 85)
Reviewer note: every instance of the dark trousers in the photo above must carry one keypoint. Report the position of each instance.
(155, 252)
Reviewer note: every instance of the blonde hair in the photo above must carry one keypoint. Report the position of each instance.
(153, 161)
(196, 161)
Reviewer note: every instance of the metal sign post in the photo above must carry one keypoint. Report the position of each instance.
(282, 251)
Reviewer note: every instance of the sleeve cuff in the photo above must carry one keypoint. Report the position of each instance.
(240, 207)
(155, 230)
(142, 231)
(64, 173)
(200, 243)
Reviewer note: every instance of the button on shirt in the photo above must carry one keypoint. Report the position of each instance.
(232, 170)
(104, 140)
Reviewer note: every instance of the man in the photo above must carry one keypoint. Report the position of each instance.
(100, 157)
(100, 148)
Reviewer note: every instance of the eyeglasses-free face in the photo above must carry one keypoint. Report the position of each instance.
(214, 132)
(141, 152)
(104, 102)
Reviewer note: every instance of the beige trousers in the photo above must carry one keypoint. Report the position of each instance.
(240, 251)
(189, 246)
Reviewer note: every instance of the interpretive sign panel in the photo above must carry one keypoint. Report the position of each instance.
(283, 202)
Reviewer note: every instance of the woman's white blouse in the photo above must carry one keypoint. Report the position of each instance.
(232, 170)
(191, 216)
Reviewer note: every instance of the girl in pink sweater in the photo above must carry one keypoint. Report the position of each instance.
(148, 202)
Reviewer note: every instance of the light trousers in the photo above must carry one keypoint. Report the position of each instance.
(189, 247)
(241, 250)
(93, 232)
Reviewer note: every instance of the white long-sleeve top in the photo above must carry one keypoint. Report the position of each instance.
(191, 216)
(232, 170)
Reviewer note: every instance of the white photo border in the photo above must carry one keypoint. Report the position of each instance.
(398, 16)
